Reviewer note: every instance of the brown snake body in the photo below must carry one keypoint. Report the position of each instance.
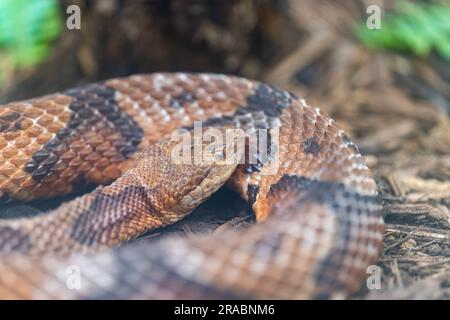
(319, 219)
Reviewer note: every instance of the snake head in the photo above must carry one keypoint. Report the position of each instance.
(178, 185)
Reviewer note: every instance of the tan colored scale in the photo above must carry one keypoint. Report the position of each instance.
(147, 99)
(319, 220)
(39, 120)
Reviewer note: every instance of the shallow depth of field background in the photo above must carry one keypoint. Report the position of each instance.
(388, 88)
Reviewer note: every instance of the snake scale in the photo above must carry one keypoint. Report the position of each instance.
(319, 223)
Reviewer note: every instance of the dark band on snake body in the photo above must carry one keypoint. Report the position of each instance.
(266, 99)
(170, 281)
(90, 106)
(311, 146)
(10, 122)
(101, 98)
(17, 240)
(350, 143)
(323, 191)
(252, 193)
(321, 223)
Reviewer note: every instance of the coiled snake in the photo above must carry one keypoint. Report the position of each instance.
(319, 219)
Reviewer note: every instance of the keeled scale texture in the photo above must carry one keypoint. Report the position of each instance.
(320, 221)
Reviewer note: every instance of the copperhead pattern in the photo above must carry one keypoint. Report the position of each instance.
(319, 223)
